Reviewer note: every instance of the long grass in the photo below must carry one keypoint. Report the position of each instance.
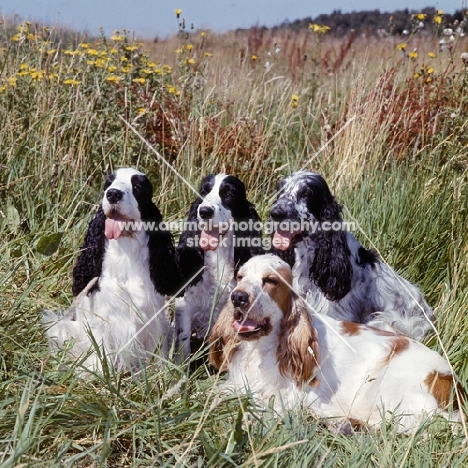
(391, 145)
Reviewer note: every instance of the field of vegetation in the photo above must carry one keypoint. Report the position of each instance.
(383, 119)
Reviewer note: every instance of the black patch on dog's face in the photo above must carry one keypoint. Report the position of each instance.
(109, 181)
(301, 192)
(142, 188)
(231, 190)
(207, 185)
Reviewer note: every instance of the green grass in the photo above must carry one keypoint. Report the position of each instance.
(59, 140)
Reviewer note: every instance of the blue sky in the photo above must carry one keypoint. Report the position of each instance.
(150, 18)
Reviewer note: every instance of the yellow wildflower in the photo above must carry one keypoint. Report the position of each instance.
(84, 45)
(413, 55)
(319, 28)
(432, 54)
(401, 46)
(93, 52)
(117, 38)
(113, 78)
(141, 110)
(294, 101)
(112, 69)
(178, 12)
(207, 54)
(173, 90)
(421, 16)
(438, 19)
(131, 48)
(189, 47)
(37, 75)
(141, 81)
(126, 69)
(71, 82)
(254, 57)
(190, 61)
(12, 81)
(202, 34)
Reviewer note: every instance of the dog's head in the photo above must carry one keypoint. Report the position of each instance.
(303, 202)
(262, 297)
(305, 207)
(264, 303)
(127, 195)
(223, 201)
(220, 209)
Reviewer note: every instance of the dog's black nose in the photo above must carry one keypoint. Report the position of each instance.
(239, 298)
(278, 213)
(114, 195)
(206, 212)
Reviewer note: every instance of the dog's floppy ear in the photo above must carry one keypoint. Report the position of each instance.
(223, 339)
(189, 255)
(162, 263)
(298, 351)
(331, 269)
(251, 243)
(89, 262)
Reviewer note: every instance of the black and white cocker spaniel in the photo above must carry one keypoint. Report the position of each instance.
(222, 232)
(125, 268)
(332, 270)
(272, 346)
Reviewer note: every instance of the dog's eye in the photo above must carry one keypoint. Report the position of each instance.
(270, 280)
(239, 277)
(227, 197)
(137, 187)
(303, 194)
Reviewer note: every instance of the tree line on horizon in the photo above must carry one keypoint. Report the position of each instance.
(374, 22)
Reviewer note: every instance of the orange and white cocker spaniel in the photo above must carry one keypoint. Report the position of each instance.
(269, 344)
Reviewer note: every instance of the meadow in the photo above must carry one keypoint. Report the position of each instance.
(383, 119)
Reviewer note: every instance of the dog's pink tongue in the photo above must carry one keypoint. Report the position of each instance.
(209, 240)
(245, 326)
(112, 229)
(282, 239)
